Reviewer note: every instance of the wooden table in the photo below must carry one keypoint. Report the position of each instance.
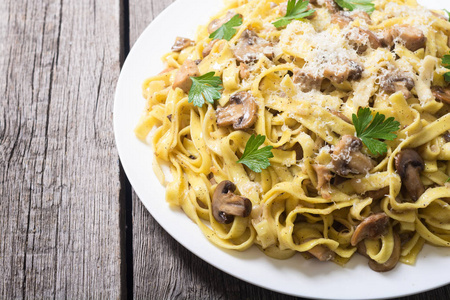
(70, 224)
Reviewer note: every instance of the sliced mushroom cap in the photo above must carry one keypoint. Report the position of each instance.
(362, 39)
(250, 47)
(323, 175)
(226, 205)
(344, 18)
(217, 23)
(182, 43)
(348, 159)
(306, 80)
(244, 72)
(322, 253)
(397, 81)
(447, 136)
(182, 80)
(412, 37)
(241, 111)
(392, 261)
(442, 94)
(346, 70)
(409, 165)
(377, 194)
(207, 50)
(371, 227)
(330, 5)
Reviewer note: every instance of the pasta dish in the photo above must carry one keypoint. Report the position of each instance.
(320, 128)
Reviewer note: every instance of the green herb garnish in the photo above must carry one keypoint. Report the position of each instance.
(364, 5)
(295, 10)
(448, 13)
(448, 180)
(446, 63)
(227, 30)
(379, 129)
(206, 87)
(254, 158)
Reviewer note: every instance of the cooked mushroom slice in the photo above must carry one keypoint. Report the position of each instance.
(306, 80)
(347, 70)
(348, 159)
(323, 175)
(182, 43)
(217, 23)
(340, 115)
(250, 47)
(442, 94)
(226, 205)
(343, 18)
(322, 252)
(371, 227)
(244, 71)
(330, 5)
(182, 79)
(362, 39)
(413, 38)
(377, 194)
(447, 136)
(392, 261)
(240, 111)
(409, 165)
(207, 50)
(397, 81)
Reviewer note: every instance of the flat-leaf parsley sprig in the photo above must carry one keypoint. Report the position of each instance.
(227, 30)
(206, 87)
(254, 158)
(295, 10)
(446, 63)
(369, 129)
(364, 5)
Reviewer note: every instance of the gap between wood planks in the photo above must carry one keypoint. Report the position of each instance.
(125, 197)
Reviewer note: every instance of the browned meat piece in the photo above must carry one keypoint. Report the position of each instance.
(182, 79)
(306, 80)
(347, 157)
(241, 111)
(413, 38)
(182, 43)
(396, 81)
(250, 47)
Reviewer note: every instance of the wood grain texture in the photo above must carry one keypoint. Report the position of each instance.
(59, 191)
(163, 269)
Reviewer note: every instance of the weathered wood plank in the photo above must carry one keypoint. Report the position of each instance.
(166, 270)
(59, 207)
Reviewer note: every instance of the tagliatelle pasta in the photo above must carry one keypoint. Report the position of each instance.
(302, 86)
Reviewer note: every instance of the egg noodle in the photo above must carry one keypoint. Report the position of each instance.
(303, 202)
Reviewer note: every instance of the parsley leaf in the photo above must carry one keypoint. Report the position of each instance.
(206, 87)
(448, 180)
(254, 158)
(378, 129)
(446, 63)
(295, 10)
(227, 30)
(364, 5)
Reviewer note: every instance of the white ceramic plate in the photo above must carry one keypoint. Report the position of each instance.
(294, 276)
